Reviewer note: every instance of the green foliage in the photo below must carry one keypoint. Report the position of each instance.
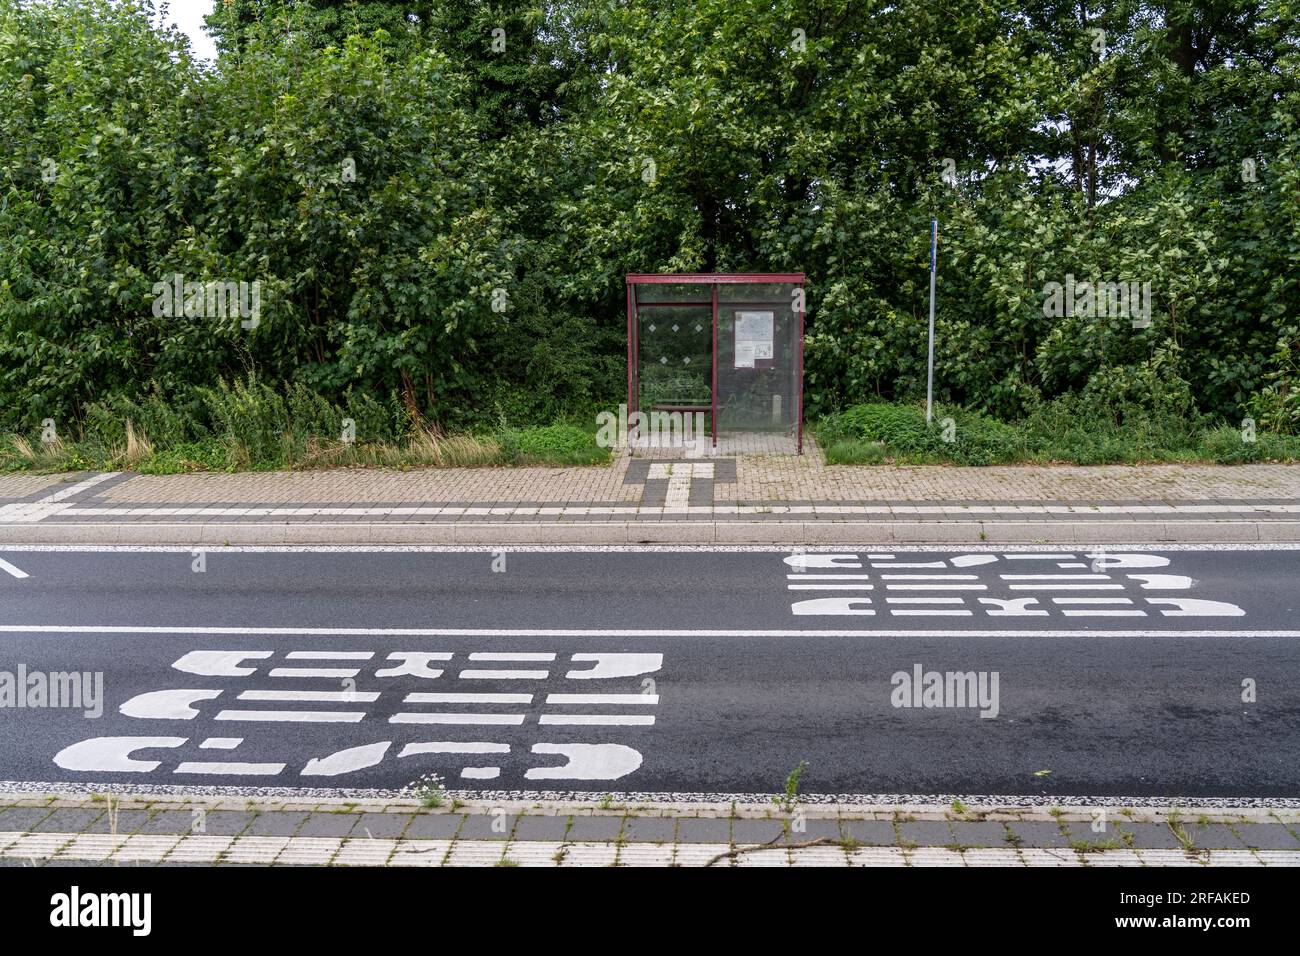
(552, 445)
(1073, 429)
(604, 138)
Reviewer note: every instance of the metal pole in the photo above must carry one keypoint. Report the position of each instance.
(929, 379)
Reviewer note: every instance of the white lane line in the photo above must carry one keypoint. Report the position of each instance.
(807, 550)
(330, 655)
(830, 587)
(503, 675)
(596, 720)
(630, 699)
(419, 697)
(930, 577)
(1079, 600)
(406, 718)
(337, 672)
(1099, 612)
(1055, 577)
(240, 769)
(11, 569)
(295, 716)
(927, 612)
(828, 577)
(312, 696)
(938, 587)
(1065, 587)
(499, 656)
(452, 747)
(602, 634)
(925, 600)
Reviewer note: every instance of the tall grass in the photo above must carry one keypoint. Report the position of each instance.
(248, 425)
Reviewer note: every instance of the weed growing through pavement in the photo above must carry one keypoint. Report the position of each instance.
(790, 797)
(429, 789)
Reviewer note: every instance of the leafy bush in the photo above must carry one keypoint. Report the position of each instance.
(555, 445)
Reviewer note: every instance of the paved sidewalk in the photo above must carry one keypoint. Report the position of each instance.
(755, 499)
(67, 830)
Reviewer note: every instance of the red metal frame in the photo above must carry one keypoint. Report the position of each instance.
(713, 363)
(712, 279)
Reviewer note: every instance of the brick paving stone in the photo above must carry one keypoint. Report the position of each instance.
(757, 478)
(1261, 836)
(703, 830)
(1037, 833)
(649, 829)
(925, 833)
(275, 824)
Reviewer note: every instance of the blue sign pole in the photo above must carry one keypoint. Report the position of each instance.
(929, 379)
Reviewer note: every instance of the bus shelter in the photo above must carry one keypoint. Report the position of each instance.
(726, 345)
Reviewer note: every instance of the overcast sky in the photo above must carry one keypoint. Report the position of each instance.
(188, 15)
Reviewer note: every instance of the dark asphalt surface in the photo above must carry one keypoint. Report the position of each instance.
(1084, 714)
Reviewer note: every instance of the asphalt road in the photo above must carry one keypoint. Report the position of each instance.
(1156, 673)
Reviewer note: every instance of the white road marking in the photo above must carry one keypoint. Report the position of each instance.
(481, 773)
(347, 761)
(1163, 581)
(330, 655)
(597, 720)
(823, 561)
(418, 718)
(601, 634)
(839, 606)
(1196, 607)
(830, 587)
(676, 503)
(416, 664)
(988, 550)
(312, 696)
(928, 612)
(336, 672)
(630, 699)
(219, 663)
(32, 511)
(473, 674)
(586, 762)
(113, 754)
(221, 743)
(242, 769)
(930, 577)
(448, 747)
(937, 587)
(828, 577)
(172, 704)
(420, 697)
(294, 716)
(616, 665)
(1065, 587)
(1090, 600)
(1099, 612)
(510, 656)
(1055, 577)
(924, 600)
(11, 569)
